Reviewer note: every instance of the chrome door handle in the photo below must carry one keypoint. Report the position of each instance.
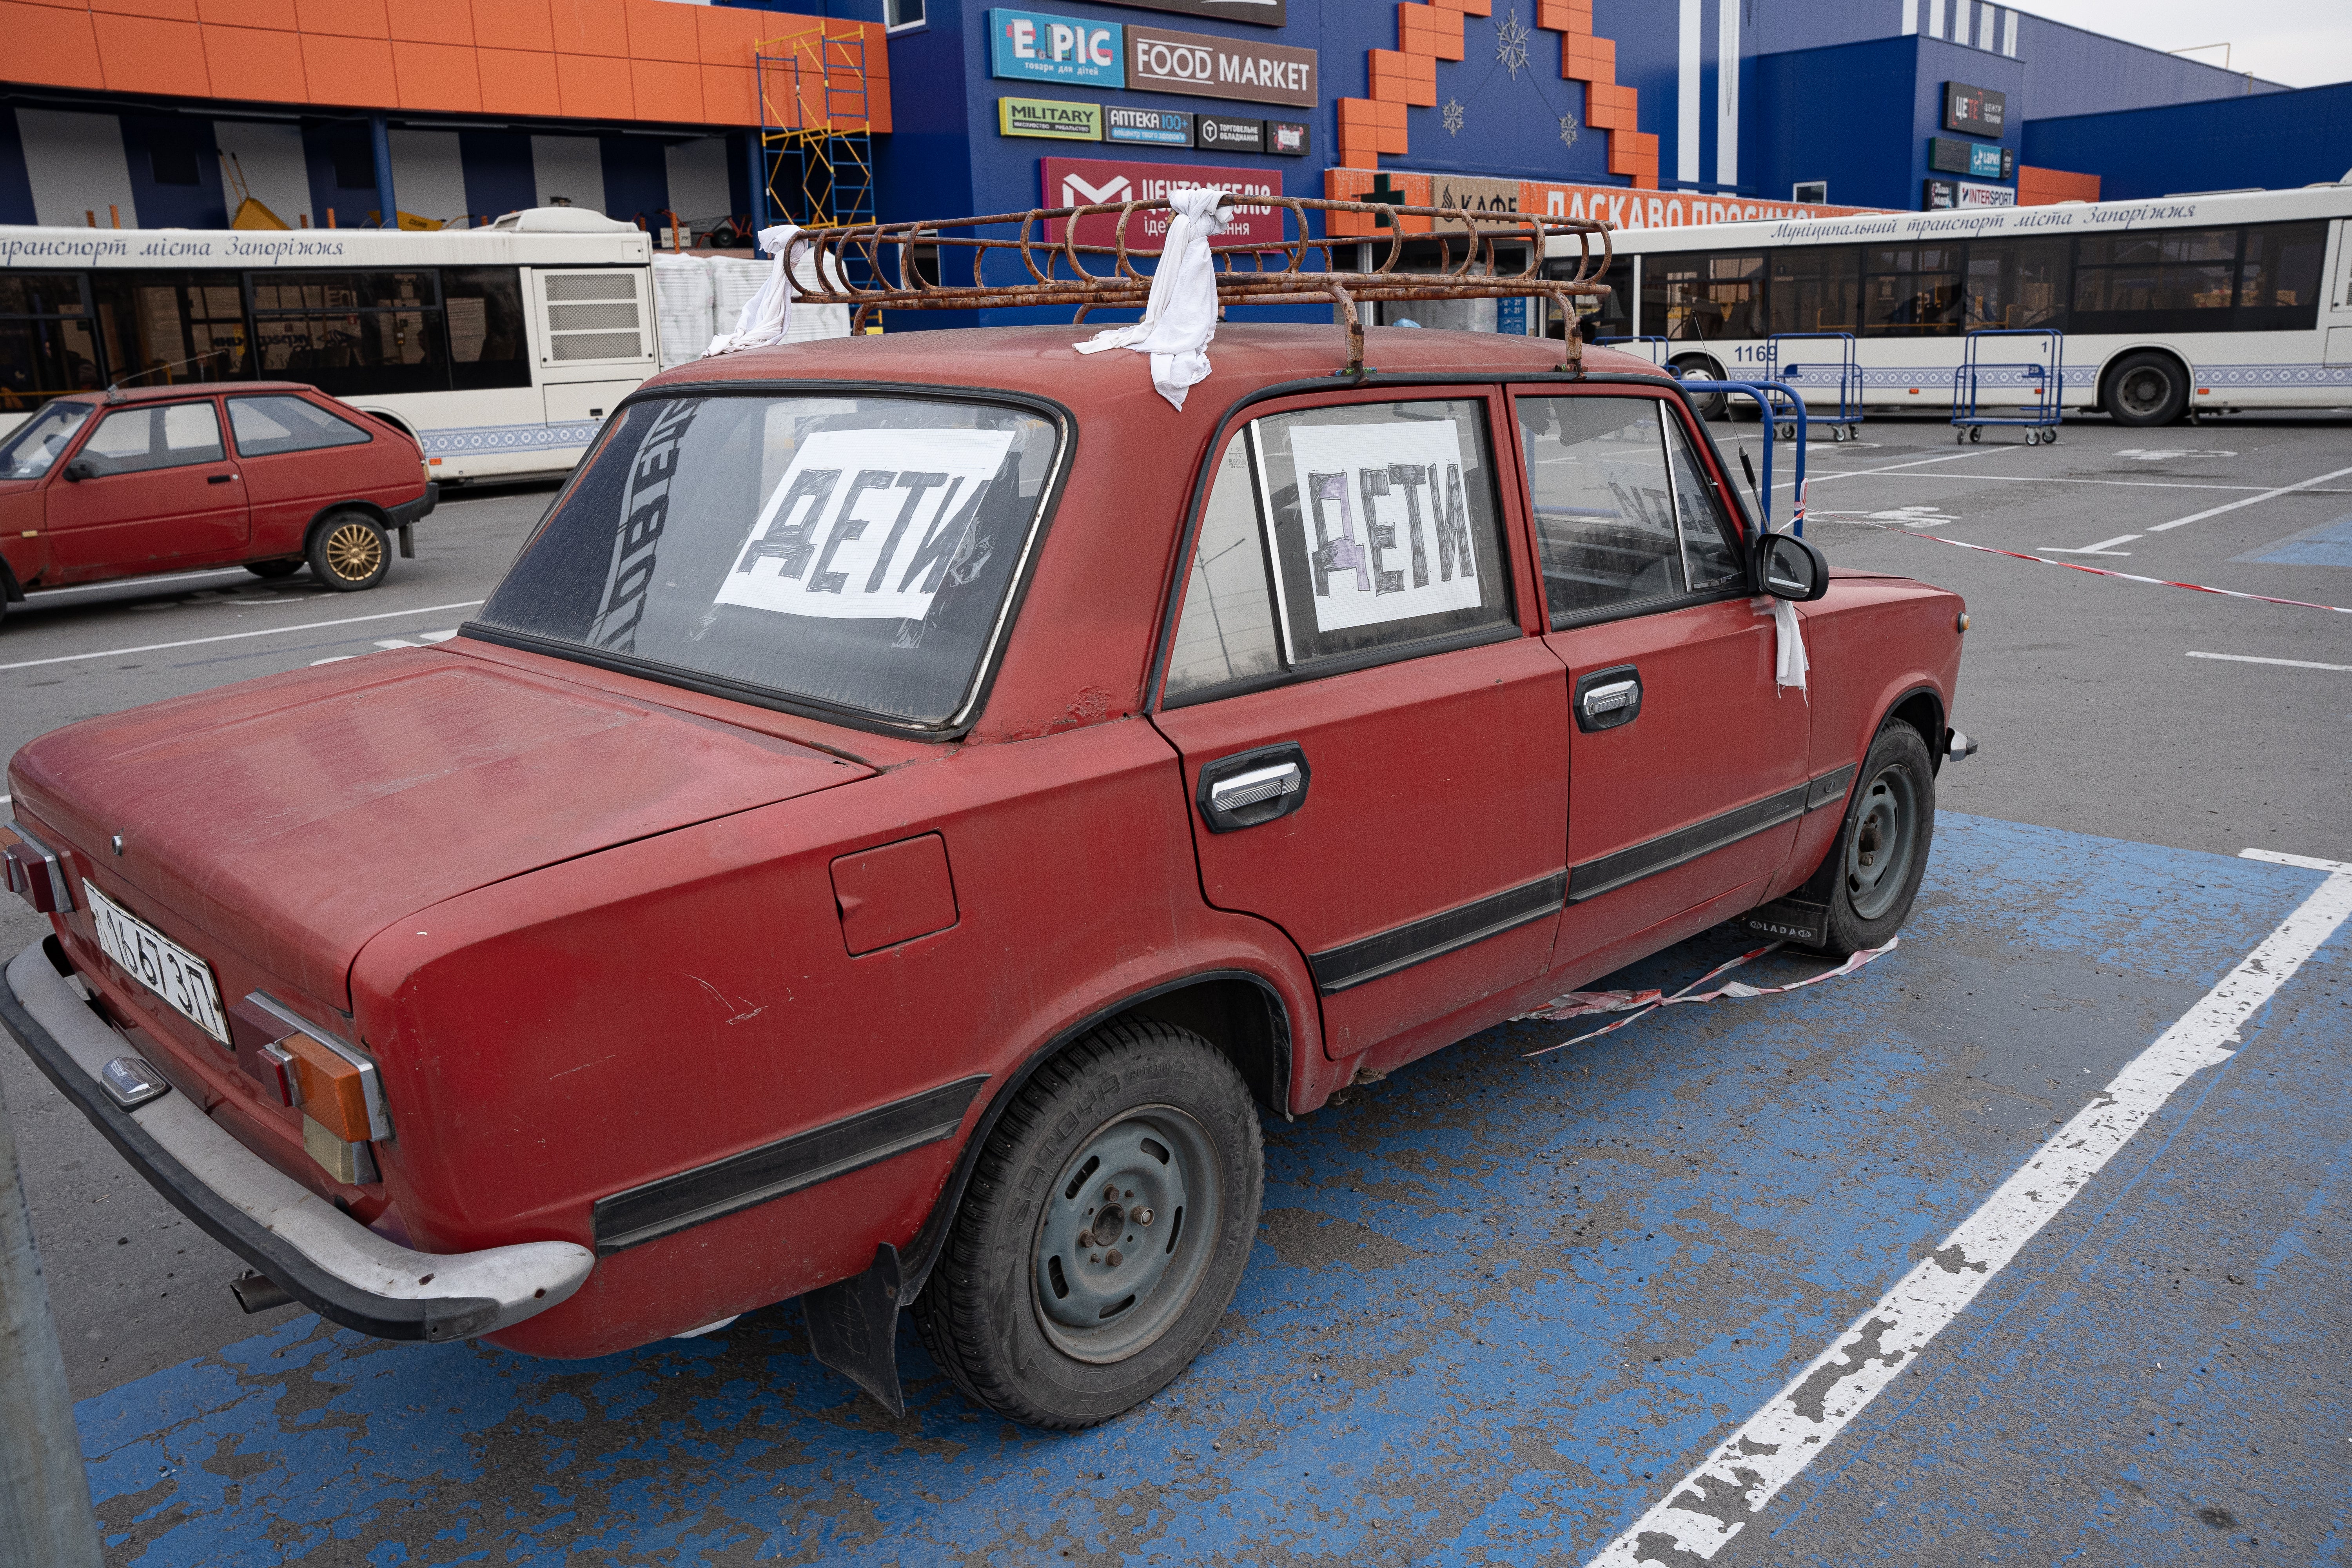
(1258, 784)
(1607, 698)
(1610, 698)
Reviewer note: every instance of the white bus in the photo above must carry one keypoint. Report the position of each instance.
(2187, 304)
(502, 349)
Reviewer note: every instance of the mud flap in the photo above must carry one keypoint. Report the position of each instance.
(408, 541)
(853, 1328)
(1791, 920)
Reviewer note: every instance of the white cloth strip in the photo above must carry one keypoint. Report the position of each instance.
(1179, 314)
(1713, 1502)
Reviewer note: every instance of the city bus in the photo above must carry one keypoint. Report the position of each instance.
(2171, 306)
(500, 349)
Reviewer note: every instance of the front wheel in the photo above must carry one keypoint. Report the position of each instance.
(1109, 1219)
(1873, 872)
(2147, 389)
(1706, 404)
(349, 552)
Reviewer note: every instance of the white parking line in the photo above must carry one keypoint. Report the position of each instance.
(2104, 547)
(2232, 506)
(1709, 1506)
(233, 636)
(1919, 463)
(2250, 658)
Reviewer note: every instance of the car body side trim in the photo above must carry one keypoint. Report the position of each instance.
(691, 1198)
(1339, 968)
(1683, 845)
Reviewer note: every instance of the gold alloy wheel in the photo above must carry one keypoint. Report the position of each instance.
(354, 551)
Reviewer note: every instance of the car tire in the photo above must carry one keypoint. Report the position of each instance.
(349, 550)
(1873, 869)
(273, 571)
(1038, 1313)
(2147, 389)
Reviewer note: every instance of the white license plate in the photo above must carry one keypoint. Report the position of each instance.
(159, 964)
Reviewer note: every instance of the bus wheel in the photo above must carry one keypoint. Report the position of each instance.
(1708, 404)
(2147, 389)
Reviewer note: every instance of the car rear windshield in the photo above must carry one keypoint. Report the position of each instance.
(847, 553)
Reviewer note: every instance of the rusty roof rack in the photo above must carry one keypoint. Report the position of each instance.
(1278, 273)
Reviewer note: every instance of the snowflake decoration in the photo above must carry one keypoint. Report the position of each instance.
(1568, 129)
(1511, 42)
(1452, 113)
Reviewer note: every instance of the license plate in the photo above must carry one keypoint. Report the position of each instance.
(159, 964)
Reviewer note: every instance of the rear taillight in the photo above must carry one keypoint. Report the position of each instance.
(36, 874)
(337, 1089)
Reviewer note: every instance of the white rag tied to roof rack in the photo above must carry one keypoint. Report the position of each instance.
(1179, 316)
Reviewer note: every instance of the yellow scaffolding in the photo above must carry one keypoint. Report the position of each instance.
(816, 161)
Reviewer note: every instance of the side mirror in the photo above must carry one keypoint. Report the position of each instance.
(1789, 568)
(81, 469)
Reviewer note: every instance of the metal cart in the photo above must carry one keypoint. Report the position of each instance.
(1846, 424)
(2044, 377)
(1787, 413)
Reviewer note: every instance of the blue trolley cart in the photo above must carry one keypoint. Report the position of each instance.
(1781, 406)
(2043, 378)
(1844, 370)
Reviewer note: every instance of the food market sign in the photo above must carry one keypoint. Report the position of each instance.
(1083, 182)
(1209, 67)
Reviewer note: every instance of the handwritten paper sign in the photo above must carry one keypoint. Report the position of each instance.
(1386, 519)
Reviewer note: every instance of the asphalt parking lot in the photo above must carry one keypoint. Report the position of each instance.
(1585, 1306)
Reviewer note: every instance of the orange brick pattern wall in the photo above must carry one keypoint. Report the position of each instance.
(1406, 77)
(594, 59)
(2047, 187)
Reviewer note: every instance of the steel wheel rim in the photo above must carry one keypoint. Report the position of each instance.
(354, 551)
(2144, 390)
(1154, 1161)
(1886, 835)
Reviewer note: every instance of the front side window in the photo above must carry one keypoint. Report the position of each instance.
(849, 552)
(33, 446)
(1332, 537)
(281, 421)
(158, 436)
(1624, 517)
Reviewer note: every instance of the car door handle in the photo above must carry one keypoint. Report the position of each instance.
(1607, 699)
(1253, 787)
(220, 478)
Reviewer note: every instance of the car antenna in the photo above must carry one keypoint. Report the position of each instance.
(114, 389)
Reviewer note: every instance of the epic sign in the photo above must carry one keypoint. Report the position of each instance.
(1211, 67)
(1029, 45)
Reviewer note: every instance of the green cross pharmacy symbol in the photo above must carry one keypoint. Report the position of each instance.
(1383, 191)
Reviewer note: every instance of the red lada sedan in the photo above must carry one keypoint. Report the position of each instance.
(265, 474)
(917, 802)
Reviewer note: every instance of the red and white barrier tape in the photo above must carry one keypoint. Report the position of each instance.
(1641, 1004)
(2105, 571)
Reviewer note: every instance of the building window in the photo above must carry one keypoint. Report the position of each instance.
(898, 14)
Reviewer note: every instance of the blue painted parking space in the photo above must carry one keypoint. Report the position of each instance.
(1502, 1305)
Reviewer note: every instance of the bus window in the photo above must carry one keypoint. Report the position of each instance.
(2278, 281)
(46, 343)
(1700, 299)
(2180, 280)
(1613, 315)
(2016, 283)
(352, 334)
(1815, 289)
(1911, 291)
(163, 327)
(487, 343)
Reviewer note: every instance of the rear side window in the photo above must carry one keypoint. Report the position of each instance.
(159, 436)
(854, 553)
(274, 422)
(1332, 536)
(1623, 514)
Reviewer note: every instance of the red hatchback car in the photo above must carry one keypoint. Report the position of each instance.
(267, 474)
(915, 802)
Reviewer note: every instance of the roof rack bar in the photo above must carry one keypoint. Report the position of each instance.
(1291, 282)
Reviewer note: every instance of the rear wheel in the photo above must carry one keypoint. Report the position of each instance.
(1106, 1225)
(2147, 389)
(1873, 872)
(349, 552)
(271, 571)
(1708, 404)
